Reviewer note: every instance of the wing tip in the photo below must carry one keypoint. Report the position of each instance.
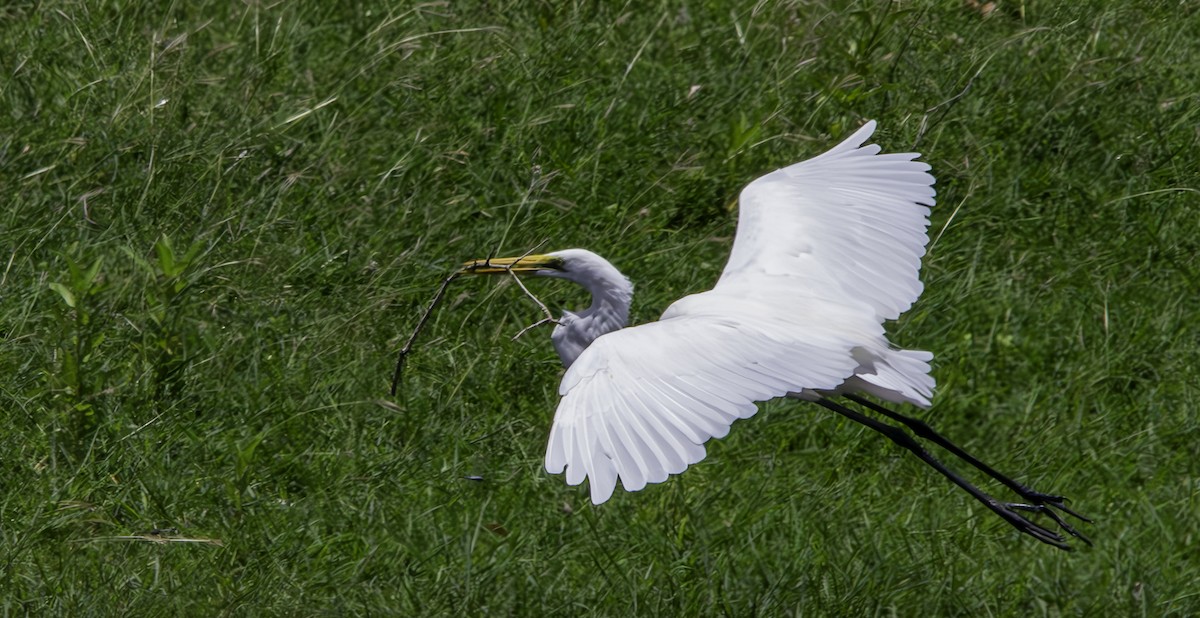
(859, 137)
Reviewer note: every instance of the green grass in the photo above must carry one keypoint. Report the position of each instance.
(224, 218)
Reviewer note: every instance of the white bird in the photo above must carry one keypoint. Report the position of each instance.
(826, 251)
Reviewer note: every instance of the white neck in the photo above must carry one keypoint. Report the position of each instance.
(612, 294)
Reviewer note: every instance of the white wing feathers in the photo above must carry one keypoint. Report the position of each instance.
(640, 402)
(861, 217)
(825, 251)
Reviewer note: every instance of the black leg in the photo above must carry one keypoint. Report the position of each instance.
(1006, 511)
(1040, 502)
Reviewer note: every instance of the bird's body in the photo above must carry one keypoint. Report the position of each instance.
(826, 251)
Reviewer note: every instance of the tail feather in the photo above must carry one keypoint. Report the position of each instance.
(898, 376)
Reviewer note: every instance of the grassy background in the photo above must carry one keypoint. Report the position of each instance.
(223, 219)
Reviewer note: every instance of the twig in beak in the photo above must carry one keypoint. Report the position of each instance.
(533, 326)
(549, 316)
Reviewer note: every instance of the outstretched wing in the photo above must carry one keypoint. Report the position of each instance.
(851, 217)
(640, 402)
(825, 251)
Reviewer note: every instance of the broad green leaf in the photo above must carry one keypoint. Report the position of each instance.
(67, 295)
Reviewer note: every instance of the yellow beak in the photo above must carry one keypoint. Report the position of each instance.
(527, 264)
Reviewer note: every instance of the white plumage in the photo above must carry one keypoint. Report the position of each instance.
(826, 251)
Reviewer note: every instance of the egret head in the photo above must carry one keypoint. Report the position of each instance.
(611, 292)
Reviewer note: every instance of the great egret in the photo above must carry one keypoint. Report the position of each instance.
(826, 251)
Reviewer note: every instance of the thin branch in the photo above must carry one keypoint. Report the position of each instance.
(545, 310)
(533, 326)
(530, 252)
(437, 298)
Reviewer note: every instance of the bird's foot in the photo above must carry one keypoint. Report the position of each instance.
(1046, 504)
(1010, 513)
